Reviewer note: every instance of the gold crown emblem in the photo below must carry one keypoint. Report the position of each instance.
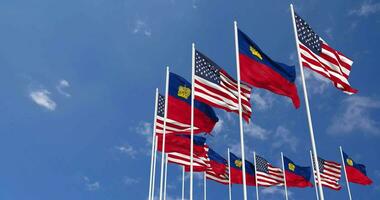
(350, 162)
(184, 92)
(238, 163)
(291, 166)
(255, 53)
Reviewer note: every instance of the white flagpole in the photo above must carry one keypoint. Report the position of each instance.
(166, 174)
(240, 111)
(257, 184)
(313, 145)
(154, 166)
(164, 133)
(153, 145)
(183, 182)
(192, 120)
(229, 176)
(204, 186)
(345, 172)
(283, 171)
(315, 182)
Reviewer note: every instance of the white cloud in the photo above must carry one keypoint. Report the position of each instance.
(261, 100)
(316, 82)
(275, 191)
(218, 126)
(355, 115)
(329, 34)
(141, 27)
(61, 86)
(366, 8)
(145, 129)
(256, 131)
(130, 181)
(127, 149)
(283, 137)
(41, 97)
(91, 186)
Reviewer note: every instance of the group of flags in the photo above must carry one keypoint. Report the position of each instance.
(187, 108)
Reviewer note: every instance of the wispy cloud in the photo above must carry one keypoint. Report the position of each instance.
(328, 32)
(270, 191)
(130, 180)
(355, 114)
(91, 186)
(218, 127)
(366, 8)
(262, 100)
(283, 137)
(316, 82)
(256, 131)
(42, 98)
(62, 85)
(127, 149)
(145, 129)
(141, 27)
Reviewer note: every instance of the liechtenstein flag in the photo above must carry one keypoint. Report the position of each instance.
(296, 176)
(179, 106)
(356, 173)
(259, 70)
(236, 171)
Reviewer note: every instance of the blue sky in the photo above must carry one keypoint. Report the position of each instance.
(78, 80)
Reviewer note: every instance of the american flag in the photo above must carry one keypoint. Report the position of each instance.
(215, 87)
(172, 126)
(220, 178)
(200, 162)
(330, 173)
(266, 174)
(321, 58)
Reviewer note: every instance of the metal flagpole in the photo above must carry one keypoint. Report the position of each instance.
(313, 145)
(154, 166)
(183, 182)
(315, 182)
(192, 120)
(164, 133)
(153, 145)
(166, 174)
(229, 176)
(204, 186)
(240, 111)
(283, 171)
(345, 172)
(257, 184)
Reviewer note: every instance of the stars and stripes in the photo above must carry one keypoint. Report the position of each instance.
(215, 87)
(220, 178)
(321, 58)
(267, 175)
(172, 126)
(200, 161)
(330, 173)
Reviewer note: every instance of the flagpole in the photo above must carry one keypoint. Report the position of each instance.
(240, 110)
(257, 184)
(153, 145)
(313, 145)
(166, 174)
(283, 171)
(315, 182)
(204, 186)
(345, 172)
(154, 166)
(164, 133)
(183, 182)
(229, 176)
(192, 120)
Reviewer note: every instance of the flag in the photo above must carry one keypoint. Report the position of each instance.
(296, 176)
(182, 155)
(215, 87)
(317, 55)
(236, 173)
(217, 169)
(181, 144)
(259, 70)
(329, 172)
(356, 173)
(179, 106)
(267, 175)
(172, 126)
